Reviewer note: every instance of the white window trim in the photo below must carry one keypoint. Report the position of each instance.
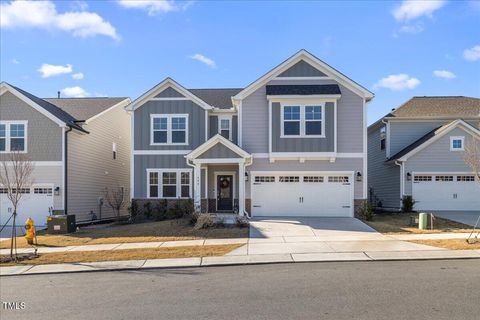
(230, 126)
(462, 138)
(7, 135)
(169, 129)
(302, 119)
(178, 182)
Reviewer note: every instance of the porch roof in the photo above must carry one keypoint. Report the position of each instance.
(218, 149)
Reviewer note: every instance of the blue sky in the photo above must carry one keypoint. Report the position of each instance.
(396, 49)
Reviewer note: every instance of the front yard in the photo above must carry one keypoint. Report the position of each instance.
(453, 244)
(158, 231)
(398, 223)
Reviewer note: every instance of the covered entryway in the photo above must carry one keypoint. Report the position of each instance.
(36, 203)
(316, 194)
(446, 191)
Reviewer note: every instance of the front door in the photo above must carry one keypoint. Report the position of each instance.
(225, 193)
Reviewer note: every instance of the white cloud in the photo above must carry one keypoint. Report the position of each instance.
(200, 57)
(15, 61)
(43, 14)
(397, 82)
(411, 29)
(155, 6)
(413, 9)
(74, 92)
(50, 70)
(472, 54)
(77, 76)
(444, 74)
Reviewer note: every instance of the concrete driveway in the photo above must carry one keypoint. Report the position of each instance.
(465, 217)
(289, 235)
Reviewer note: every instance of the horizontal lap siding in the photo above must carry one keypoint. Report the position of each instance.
(255, 122)
(402, 134)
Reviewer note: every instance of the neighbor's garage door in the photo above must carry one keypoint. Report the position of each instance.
(35, 203)
(446, 192)
(293, 194)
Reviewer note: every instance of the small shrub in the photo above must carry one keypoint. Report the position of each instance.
(147, 210)
(204, 221)
(194, 218)
(133, 211)
(188, 207)
(160, 212)
(241, 222)
(408, 203)
(366, 211)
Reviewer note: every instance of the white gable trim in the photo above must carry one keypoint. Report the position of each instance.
(4, 87)
(443, 131)
(125, 102)
(314, 62)
(213, 141)
(168, 82)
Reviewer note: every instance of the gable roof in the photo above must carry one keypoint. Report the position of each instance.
(216, 139)
(219, 98)
(83, 109)
(431, 137)
(166, 83)
(53, 112)
(315, 62)
(438, 106)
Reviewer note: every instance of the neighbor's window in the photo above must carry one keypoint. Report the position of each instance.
(456, 143)
(12, 136)
(224, 128)
(291, 121)
(169, 129)
(383, 134)
(114, 151)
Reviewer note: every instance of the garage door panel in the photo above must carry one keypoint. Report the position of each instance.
(302, 195)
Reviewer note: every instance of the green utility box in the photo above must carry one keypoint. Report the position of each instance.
(422, 220)
(61, 224)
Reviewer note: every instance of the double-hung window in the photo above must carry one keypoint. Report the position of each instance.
(13, 135)
(169, 183)
(170, 129)
(225, 126)
(302, 121)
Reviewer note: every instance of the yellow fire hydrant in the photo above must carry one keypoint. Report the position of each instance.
(30, 234)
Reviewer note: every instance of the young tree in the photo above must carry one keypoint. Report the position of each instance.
(115, 198)
(472, 156)
(15, 176)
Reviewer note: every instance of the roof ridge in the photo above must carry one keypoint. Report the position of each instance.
(215, 89)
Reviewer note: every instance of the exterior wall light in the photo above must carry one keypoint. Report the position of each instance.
(409, 176)
(359, 176)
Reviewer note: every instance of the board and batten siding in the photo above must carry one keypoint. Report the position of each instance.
(218, 151)
(91, 167)
(44, 136)
(302, 69)
(196, 123)
(383, 179)
(213, 127)
(340, 164)
(437, 157)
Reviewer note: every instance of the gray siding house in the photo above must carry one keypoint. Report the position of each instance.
(418, 150)
(292, 143)
(78, 147)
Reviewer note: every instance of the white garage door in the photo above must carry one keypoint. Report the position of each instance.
(293, 194)
(35, 203)
(446, 192)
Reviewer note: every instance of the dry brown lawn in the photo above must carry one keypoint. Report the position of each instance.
(129, 254)
(395, 223)
(170, 230)
(454, 244)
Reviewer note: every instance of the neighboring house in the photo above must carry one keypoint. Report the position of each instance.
(292, 143)
(418, 150)
(78, 147)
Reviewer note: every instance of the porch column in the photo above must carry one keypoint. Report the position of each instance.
(197, 189)
(241, 188)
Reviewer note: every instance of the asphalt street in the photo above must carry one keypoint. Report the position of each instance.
(345, 290)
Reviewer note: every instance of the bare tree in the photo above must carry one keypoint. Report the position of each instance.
(472, 156)
(115, 198)
(15, 177)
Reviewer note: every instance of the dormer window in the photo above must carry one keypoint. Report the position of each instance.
(457, 143)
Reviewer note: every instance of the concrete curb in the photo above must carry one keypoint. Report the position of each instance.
(138, 265)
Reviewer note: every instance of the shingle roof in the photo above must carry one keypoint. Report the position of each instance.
(54, 110)
(84, 108)
(302, 89)
(453, 106)
(218, 98)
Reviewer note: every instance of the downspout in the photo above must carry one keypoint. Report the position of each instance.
(245, 213)
(65, 173)
(402, 180)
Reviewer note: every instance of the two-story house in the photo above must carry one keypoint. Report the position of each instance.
(418, 150)
(292, 143)
(78, 148)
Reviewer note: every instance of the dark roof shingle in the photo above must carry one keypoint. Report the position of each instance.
(84, 108)
(218, 98)
(273, 90)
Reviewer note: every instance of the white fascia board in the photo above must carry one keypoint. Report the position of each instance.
(316, 63)
(213, 141)
(4, 87)
(168, 82)
(121, 104)
(441, 132)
